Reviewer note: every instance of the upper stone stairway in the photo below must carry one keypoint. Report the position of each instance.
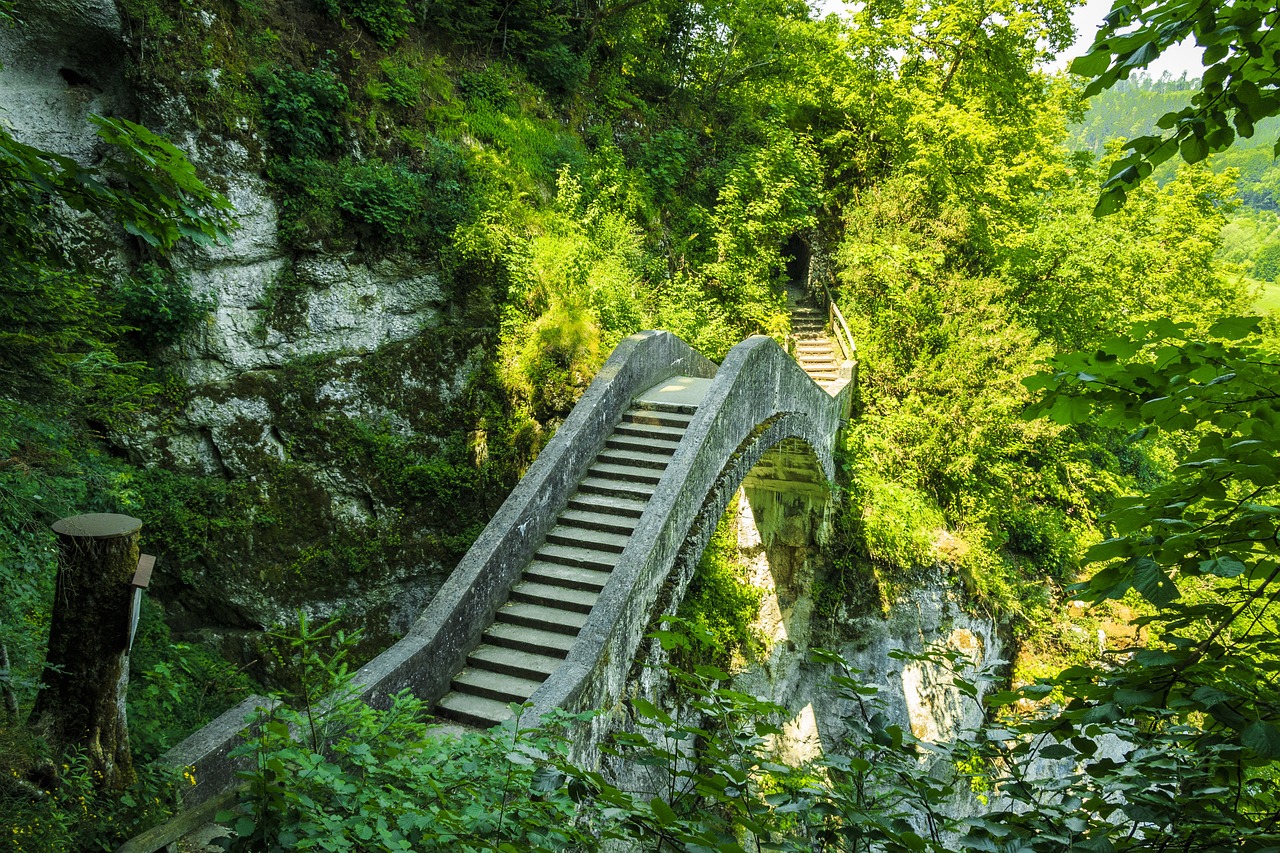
(815, 350)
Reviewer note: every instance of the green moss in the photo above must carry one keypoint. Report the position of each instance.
(719, 601)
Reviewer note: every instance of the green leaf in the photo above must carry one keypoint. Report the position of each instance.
(1263, 738)
(1213, 53)
(1092, 63)
(663, 812)
(1235, 328)
(1194, 149)
(1154, 585)
(1055, 751)
(1224, 567)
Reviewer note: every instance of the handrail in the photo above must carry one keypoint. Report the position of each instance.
(844, 338)
(835, 318)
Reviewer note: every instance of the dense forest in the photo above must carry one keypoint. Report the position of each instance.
(1071, 418)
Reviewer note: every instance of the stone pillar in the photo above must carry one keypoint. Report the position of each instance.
(82, 690)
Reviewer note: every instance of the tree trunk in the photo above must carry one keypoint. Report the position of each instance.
(86, 675)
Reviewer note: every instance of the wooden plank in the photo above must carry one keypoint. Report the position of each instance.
(142, 577)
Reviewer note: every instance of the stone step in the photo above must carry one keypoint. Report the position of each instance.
(532, 592)
(636, 458)
(663, 406)
(818, 363)
(641, 444)
(624, 507)
(526, 639)
(542, 617)
(659, 435)
(628, 490)
(494, 685)
(655, 417)
(513, 662)
(474, 710)
(570, 577)
(814, 346)
(605, 522)
(629, 473)
(583, 558)
(581, 537)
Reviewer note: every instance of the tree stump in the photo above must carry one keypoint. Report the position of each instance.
(82, 690)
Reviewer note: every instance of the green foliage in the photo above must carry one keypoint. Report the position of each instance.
(412, 203)
(1200, 547)
(1266, 263)
(346, 776)
(68, 813)
(539, 34)
(157, 306)
(58, 327)
(303, 111)
(1234, 94)
(408, 206)
(386, 20)
(900, 525)
(174, 688)
(720, 603)
(397, 203)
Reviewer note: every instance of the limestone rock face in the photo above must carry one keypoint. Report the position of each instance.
(323, 422)
(61, 64)
(918, 696)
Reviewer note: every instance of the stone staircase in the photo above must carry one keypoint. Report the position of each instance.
(532, 633)
(815, 350)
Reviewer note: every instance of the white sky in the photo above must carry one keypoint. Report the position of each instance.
(1184, 57)
(1175, 60)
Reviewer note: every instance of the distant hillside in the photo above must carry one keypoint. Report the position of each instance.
(1132, 108)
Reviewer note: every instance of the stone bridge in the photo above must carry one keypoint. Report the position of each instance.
(758, 421)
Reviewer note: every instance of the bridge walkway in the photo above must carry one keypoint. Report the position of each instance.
(532, 633)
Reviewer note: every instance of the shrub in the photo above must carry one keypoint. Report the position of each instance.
(158, 306)
(303, 111)
(405, 205)
(1266, 263)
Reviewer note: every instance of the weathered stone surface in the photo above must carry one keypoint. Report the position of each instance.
(759, 398)
(61, 65)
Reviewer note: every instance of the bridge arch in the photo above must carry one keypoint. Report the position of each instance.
(763, 424)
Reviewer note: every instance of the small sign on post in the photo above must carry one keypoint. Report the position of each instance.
(141, 578)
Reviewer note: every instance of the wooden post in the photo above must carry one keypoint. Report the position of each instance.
(86, 675)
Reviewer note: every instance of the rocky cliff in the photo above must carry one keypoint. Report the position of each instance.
(322, 442)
